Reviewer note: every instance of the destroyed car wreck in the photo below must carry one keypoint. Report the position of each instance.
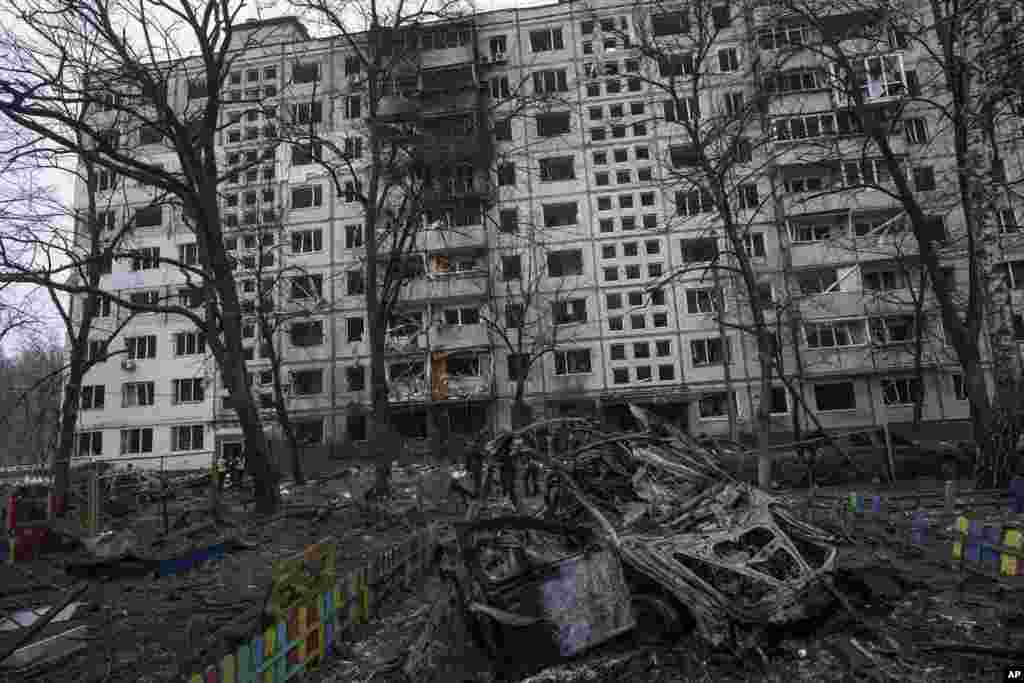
(691, 542)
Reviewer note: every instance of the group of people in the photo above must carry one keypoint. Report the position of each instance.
(230, 466)
(517, 457)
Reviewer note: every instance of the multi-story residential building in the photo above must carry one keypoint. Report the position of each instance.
(590, 170)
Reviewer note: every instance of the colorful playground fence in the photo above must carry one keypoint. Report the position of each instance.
(313, 607)
(989, 545)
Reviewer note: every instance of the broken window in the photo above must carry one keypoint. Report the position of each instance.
(309, 431)
(832, 334)
(902, 391)
(883, 280)
(894, 329)
(511, 267)
(308, 72)
(709, 351)
(700, 301)
(462, 316)
(463, 365)
(518, 366)
(572, 362)
(307, 286)
(405, 323)
(565, 263)
(149, 217)
(669, 23)
(835, 396)
(307, 333)
(307, 382)
(715, 405)
(557, 168)
(546, 40)
(553, 123)
(355, 282)
(355, 376)
(818, 281)
(704, 249)
(569, 311)
(406, 371)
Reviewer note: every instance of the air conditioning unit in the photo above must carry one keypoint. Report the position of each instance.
(128, 364)
(499, 57)
(484, 59)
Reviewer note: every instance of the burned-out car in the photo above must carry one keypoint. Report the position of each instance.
(692, 541)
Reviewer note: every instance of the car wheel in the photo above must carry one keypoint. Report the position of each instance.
(948, 469)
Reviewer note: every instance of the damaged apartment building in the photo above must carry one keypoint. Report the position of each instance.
(552, 152)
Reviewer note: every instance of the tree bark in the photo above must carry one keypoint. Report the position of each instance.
(381, 437)
(280, 408)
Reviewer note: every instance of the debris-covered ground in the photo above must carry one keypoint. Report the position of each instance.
(726, 582)
(637, 557)
(141, 628)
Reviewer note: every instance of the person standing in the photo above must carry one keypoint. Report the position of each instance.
(475, 467)
(510, 469)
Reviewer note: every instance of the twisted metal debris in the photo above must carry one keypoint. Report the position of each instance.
(729, 553)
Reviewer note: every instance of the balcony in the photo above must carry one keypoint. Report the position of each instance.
(468, 285)
(461, 375)
(405, 344)
(449, 337)
(452, 238)
(446, 57)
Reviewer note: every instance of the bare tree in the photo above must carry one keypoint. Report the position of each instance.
(530, 314)
(963, 86)
(717, 153)
(126, 68)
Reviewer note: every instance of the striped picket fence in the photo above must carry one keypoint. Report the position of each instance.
(307, 626)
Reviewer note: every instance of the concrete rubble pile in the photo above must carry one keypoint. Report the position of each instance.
(691, 539)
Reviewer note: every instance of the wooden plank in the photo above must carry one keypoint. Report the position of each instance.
(246, 672)
(1009, 563)
(268, 654)
(227, 669)
(281, 645)
(50, 649)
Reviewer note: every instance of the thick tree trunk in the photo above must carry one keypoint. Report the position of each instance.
(228, 351)
(280, 408)
(60, 464)
(766, 360)
(522, 414)
(381, 438)
(257, 452)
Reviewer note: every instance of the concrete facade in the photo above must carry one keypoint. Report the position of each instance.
(628, 234)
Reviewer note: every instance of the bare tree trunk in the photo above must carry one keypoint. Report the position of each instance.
(280, 409)
(726, 355)
(522, 414)
(380, 432)
(229, 355)
(60, 463)
(919, 325)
